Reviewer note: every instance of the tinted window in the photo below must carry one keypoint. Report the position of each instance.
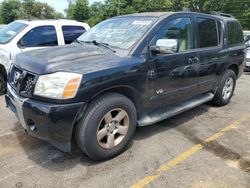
(180, 29)
(9, 31)
(39, 37)
(207, 33)
(71, 33)
(235, 34)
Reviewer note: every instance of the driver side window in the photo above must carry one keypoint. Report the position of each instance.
(41, 36)
(179, 29)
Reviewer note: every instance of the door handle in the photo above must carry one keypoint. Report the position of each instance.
(193, 60)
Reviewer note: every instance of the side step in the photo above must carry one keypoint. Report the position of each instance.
(168, 112)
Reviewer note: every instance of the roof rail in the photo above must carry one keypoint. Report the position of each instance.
(222, 14)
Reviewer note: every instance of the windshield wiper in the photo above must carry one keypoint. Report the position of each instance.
(78, 41)
(102, 44)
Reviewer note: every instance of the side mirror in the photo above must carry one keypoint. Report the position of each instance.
(165, 46)
(20, 44)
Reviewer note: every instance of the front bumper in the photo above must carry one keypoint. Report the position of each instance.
(51, 122)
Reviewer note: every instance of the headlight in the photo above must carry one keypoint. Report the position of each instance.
(5, 61)
(60, 85)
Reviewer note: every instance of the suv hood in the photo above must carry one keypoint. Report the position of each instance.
(70, 58)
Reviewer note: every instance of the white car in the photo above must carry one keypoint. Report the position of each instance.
(24, 35)
(247, 66)
(2, 26)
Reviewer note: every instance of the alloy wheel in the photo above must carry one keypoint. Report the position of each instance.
(112, 128)
(228, 88)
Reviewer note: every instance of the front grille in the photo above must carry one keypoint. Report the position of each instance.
(22, 81)
(28, 84)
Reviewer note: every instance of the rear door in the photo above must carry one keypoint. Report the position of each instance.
(71, 33)
(209, 45)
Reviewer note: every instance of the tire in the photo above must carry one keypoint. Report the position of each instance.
(95, 132)
(222, 97)
(3, 85)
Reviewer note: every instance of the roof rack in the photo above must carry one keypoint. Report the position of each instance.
(222, 14)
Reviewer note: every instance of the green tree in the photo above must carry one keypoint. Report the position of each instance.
(78, 10)
(9, 10)
(34, 9)
(70, 10)
(27, 7)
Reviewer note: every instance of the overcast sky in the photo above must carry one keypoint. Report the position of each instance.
(60, 5)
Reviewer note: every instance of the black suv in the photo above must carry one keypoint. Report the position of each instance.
(128, 71)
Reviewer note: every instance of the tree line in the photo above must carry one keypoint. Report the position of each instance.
(11, 10)
(81, 10)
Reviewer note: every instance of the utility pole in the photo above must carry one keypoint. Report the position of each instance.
(118, 8)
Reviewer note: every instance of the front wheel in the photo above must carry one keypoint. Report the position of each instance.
(226, 89)
(107, 127)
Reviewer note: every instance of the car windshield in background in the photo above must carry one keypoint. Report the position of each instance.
(121, 32)
(10, 31)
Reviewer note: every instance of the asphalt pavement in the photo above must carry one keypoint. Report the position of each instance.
(205, 147)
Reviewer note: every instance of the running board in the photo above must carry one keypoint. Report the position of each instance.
(168, 112)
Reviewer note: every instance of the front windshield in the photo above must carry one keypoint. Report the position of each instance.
(121, 32)
(9, 31)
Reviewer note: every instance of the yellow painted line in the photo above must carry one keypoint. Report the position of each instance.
(183, 156)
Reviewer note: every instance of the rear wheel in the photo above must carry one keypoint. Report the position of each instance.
(107, 127)
(2, 85)
(226, 89)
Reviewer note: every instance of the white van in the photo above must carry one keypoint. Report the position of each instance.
(24, 35)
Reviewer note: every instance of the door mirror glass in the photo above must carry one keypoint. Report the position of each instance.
(167, 46)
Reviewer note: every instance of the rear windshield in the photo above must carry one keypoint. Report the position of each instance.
(235, 34)
(10, 31)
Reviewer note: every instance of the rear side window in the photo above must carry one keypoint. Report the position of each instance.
(71, 33)
(40, 37)
(235, 34)
(207, 33)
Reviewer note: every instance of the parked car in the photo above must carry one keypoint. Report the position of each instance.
(25, 35)
(247, 36)
(128, 71)
(247, 66)
(247, 42)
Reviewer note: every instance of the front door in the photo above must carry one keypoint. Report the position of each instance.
(39, 37)
(173, 77)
